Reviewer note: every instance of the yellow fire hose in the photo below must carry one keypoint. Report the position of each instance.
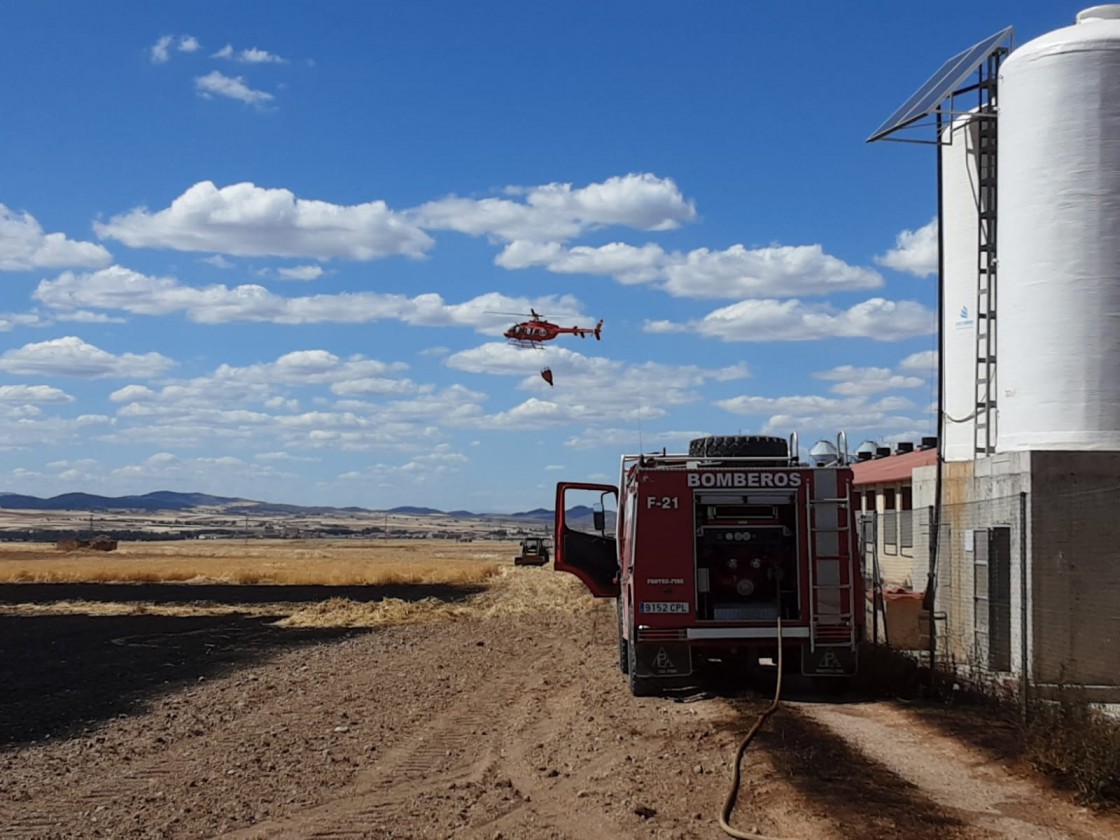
(736, 776)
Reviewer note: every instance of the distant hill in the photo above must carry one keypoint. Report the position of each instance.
(166, 500)
(535, 513)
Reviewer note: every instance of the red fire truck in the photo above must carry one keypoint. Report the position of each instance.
(712, 550)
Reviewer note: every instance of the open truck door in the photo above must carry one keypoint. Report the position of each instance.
(586, 545)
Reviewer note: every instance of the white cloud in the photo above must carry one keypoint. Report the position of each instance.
(252, 55)
(132, 393)
(631, 440)
(787, 404)
(301, 272)
(82, 316)
(119, 288)
(915, 251)
(218, 261)
(792, 320)
(443, 461)
(557, 212)
(307, 367)
(160, 51)
(372, 386)
(216, 83)
(812, 416)
(924, 361)
(70, 356)
(783, 270)
(33, 394)
(595, 389)
(852, 381)
(10, 320)
(27, 430)
(281, 457)
(247, 220)
(737, 272)
(168, 469)
(254, 405)
(24, 246)
(626, 263)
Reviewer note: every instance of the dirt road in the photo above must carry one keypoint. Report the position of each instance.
(505, 717)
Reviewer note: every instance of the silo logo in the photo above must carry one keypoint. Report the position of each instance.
(964, 319)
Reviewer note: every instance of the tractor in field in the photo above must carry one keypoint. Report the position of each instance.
(534, 552)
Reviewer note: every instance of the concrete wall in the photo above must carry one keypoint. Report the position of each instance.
(1072, 573)
(1075, 597)
(977, 496)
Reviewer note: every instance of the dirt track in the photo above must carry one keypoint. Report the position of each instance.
(502, 725)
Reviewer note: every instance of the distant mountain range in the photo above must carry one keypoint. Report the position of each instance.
(167, 500)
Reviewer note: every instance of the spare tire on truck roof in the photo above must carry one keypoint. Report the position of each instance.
(739, 446)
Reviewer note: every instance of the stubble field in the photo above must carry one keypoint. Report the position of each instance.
(431, 689)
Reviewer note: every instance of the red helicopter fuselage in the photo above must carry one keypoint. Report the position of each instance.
(538, 330)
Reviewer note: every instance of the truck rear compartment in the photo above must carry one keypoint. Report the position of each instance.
(746, 558)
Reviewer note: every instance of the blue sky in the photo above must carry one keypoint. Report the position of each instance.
(255, 249)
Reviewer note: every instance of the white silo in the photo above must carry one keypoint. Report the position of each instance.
(960, 239)
(1059, 239)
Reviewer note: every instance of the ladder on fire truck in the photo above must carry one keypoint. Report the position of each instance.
(832, 590)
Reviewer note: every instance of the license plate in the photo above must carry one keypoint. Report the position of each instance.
(676, 607)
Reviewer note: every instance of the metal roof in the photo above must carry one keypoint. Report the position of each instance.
(892, 469)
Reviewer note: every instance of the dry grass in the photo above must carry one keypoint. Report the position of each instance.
(509, 589)
(1074, 743)
(279, 562)
(110, 608)
(515, 590)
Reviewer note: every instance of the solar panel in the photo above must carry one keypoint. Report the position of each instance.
(947, 79)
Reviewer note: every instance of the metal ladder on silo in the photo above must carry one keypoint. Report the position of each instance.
(987, 154)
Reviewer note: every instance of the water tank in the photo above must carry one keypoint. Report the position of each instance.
(960, 240)
(1059, 239)
(823, 453)
(866, 449)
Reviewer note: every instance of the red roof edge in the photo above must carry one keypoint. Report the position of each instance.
(893, 468)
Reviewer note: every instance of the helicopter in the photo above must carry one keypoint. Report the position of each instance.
(536, 330)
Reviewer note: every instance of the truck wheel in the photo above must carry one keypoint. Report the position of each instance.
(740, 446)
(639, 686)
(623, 645)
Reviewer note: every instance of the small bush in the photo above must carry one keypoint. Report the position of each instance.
(1075, 743)
(884, 672)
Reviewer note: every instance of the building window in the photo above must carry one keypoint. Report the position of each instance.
(890, 523)
(906, 518)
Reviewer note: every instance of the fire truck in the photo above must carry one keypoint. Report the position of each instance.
(717, 554)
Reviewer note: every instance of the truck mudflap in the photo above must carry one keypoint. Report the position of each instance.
(829, 662)
(662, 659)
